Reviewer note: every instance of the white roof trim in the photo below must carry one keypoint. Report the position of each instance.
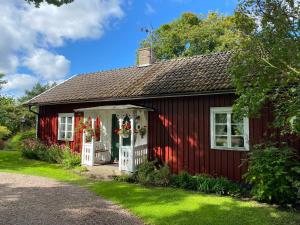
(112, 107)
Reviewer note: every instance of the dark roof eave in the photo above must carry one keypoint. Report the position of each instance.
(114, 99)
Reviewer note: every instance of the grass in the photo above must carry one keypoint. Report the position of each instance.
(160, 205)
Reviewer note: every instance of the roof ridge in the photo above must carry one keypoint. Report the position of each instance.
(156, 62)
(194, 56)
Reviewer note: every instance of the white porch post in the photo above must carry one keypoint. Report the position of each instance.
(120, 143)
(83, 153)
(132, 143)
(93, 143)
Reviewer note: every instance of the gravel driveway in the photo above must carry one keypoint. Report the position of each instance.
(36, 200)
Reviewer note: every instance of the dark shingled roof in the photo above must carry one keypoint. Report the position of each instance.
(183, 76)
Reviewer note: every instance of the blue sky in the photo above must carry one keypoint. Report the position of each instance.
(82, 37)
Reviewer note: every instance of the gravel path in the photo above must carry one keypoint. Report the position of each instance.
(34, 200)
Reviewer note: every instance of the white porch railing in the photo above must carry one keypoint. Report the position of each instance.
(140, 155)
(125, 159)
(130, 157)
(87, 154)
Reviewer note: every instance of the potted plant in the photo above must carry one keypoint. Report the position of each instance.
(87, 128)
(141, 130)
(125, 130)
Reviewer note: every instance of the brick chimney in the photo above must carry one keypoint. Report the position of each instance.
(145, 56)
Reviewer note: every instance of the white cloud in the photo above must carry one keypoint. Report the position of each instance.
(47, 65)
(80, 19)
(29, 34)
(18, 83)
(149, 9)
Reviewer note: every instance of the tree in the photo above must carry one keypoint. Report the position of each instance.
(266, 68)
(193, 35)
(51, 2)
(14, 116)
(2, 82)
(36, 90)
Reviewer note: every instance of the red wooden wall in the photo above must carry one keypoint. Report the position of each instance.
(179, 133)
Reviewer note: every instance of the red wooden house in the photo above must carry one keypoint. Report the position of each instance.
(179, 111)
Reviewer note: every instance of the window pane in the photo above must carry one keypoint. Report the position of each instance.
(221, 129)
(69, 128)
(221, 141)
(237, 129)
(221, 117)
(234, 119)
(69, 135)
(63, 119)
(237, 141)
(62, 135)
(62, 127)
(69, 120)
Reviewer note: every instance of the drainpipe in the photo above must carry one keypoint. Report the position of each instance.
(36, 120)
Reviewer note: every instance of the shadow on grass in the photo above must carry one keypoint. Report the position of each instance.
(160, 205)
(173, 206)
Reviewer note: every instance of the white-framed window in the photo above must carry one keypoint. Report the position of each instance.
(227, 132)
(65, 126)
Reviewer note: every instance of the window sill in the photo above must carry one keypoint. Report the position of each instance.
(65, 139)
(230, 149)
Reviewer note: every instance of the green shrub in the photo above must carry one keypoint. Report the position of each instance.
(185, 181)
(15, 143)
(55, 154)
(4, 132)
(275, 175)
(152, 173)
(205, 183)
(33, 149)
(129, 178)
(70, 159)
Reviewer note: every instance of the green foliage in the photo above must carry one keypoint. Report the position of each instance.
(37, 89)
(159, 206)
(34, 149)
(265, 68)
(129, 178)
(275, 175)
(15, 143)
(152, 173)
(37, 3)
(193, 35)
(15, 116)
(4, 132)
(205, 183)
(70, 159)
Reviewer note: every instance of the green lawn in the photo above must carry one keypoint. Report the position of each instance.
(159, 205)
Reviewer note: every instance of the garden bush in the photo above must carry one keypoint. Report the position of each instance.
(205, 183)
(15, 143)
(4, 132)
(152, 173)
(34, 149)
(70, 159)
(275, 175)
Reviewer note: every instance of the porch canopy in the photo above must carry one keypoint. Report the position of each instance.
(112, 107)
(132, 151)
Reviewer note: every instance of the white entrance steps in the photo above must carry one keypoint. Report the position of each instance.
(103, 172)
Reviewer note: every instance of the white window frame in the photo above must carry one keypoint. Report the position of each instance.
(60, 115)
(228, 111)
